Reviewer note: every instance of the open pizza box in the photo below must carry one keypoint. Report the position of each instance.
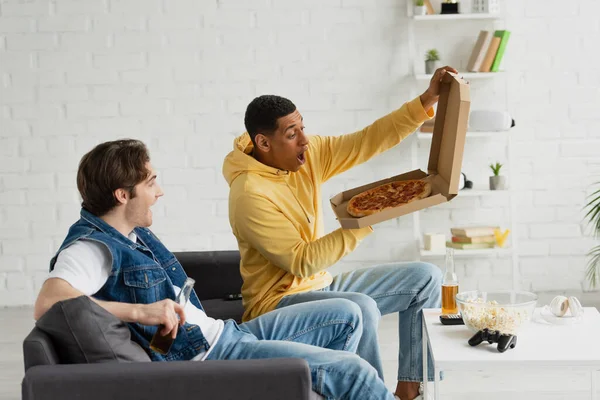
(445, 160)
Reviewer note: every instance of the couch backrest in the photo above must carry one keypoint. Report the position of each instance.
(217, 273)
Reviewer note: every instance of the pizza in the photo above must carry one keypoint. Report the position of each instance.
(386, 196)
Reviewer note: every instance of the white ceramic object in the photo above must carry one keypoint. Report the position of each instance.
(420, 10)
(434, 241)
(575, 307)
(486, 6)
(559, 306)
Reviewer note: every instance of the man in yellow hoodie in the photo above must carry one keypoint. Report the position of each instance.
(275, 174)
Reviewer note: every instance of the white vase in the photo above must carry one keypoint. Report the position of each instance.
(497, 182)
(420, 10)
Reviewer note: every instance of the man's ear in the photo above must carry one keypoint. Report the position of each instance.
(121, 195)
(262, 143)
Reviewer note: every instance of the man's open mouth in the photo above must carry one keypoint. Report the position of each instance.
(301, 158)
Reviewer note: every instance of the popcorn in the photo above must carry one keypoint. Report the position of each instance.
(491, 315)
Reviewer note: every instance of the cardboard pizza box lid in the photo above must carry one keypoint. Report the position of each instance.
(449, 133)
(445, 160)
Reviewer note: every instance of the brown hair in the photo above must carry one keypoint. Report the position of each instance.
(120, 164)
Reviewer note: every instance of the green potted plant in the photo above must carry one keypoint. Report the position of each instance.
(497, 181)
(593, 215)
(431, 61)
(419, 8)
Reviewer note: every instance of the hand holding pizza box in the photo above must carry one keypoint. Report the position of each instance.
(396, 196)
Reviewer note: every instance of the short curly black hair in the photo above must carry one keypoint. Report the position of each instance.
(263, 112)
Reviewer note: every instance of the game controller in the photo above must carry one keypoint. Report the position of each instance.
(505, 341)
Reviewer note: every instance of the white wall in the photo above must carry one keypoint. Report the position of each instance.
(178, 74)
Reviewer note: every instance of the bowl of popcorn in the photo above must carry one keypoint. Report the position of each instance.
(504, 311)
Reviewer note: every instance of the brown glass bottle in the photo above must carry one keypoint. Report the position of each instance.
(449, 285)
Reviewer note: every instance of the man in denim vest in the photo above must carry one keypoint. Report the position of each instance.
(112, 256)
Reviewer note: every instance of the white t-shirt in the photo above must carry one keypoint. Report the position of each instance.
(86, 265)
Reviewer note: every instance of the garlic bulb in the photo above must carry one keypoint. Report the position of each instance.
(559, 306)
(575, 307)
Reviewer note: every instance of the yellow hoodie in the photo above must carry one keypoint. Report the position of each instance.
(276, 215)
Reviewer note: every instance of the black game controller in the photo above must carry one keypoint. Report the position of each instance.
(505, 341)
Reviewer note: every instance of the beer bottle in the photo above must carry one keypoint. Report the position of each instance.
(162, 344)
(449, 285)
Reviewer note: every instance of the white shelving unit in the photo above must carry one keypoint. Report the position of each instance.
(502, 252)
(510, 249)
(447, 17)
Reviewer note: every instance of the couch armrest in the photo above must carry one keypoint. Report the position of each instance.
(38, 349)
(264, 379)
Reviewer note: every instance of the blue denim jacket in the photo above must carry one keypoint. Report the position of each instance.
(142, 273)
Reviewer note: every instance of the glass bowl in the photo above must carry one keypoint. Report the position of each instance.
(505, 311)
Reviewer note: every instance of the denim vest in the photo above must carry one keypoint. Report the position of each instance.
(142, 273)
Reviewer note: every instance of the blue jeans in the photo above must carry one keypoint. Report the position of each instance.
(335, 325)
(405, 288)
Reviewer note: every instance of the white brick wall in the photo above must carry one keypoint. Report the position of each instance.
(178, 74)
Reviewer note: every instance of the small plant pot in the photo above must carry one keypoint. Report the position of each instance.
(497, 182)
(420, 10)
(431, 66)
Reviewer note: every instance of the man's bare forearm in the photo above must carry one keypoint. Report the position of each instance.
(124, 311)
(56, 289)
(164, 312)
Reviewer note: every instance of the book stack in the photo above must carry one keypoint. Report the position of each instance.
(488, 51)
(472, 238)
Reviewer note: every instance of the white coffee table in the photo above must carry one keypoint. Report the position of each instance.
(539, 345)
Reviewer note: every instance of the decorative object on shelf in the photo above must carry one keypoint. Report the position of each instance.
(593, 216)
(490, 121)
(419, 8)
(450, 7)
(488, 51)
(500, 237)
(479, 51)
(434, 241)
(473, 231)
(464, 183)
(486, 6)
(432, 58)
(503, 35)
(472, 238)
(497, 181)
(429, 7)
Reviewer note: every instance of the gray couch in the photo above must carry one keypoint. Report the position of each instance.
(48, 376)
